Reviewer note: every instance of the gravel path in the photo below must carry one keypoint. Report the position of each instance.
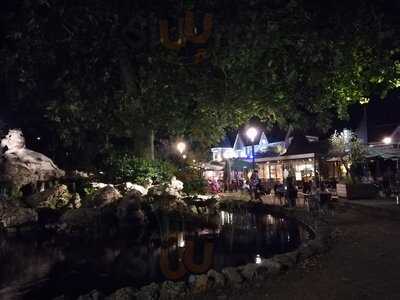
(364, 263)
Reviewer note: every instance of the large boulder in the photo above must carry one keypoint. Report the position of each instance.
(20, 166)
(172, 189)
(55, 198)
(215, 279)
(129, 211)
(99, 185)
(76, 174)
(198, 283)
(91, 222)
(132, 264)
(75, 201)
(232, 275)
(80, 220)
(105, 196)
(93, 295)
(133, 187)
(126, 293)
(156, 191)
(149, 292)
(172, 290)
(13, 215)
(168, 196)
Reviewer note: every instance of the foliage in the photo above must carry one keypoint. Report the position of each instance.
(299, 63)
(193, 181)
(348, 148)
(89, 191)
(95, 90)
(137, 170)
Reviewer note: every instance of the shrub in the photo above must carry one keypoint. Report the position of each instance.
(193, 181)
(128, 168)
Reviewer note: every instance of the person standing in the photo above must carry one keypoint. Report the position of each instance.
(306, 186)
(254, 186)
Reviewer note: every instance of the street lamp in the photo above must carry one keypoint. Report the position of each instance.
(181, 146)
(227, 155)
(387, 140)
(251, 134)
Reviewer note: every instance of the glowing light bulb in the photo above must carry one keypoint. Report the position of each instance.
(251, 133)
(387, 140)
(258, 259)
(181, 146)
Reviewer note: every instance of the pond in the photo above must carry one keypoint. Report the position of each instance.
(42, 266)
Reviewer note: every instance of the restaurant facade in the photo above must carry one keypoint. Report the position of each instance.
(296, 154)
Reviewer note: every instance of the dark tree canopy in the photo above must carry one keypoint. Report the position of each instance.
(94, 76)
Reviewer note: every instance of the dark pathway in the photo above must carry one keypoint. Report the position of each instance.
(363, 264)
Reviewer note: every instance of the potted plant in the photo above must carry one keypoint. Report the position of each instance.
(351, 152)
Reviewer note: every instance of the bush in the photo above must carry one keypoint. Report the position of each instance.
(127, 168)
(193, 182)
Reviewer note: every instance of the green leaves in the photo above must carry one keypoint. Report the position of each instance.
(286, 64)
(122, 168)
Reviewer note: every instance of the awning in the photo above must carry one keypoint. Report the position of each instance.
(235, 165)
(214, 166)
(383, 153)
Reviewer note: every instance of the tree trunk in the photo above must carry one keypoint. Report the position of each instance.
(143, 143)
(143, 146)
(151, 144)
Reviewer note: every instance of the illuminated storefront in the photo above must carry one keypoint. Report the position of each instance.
(297, 154)
(272, 168)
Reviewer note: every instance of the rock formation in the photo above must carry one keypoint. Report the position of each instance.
(105, 196)
(20, 166)
(55, 198)
(13, 215)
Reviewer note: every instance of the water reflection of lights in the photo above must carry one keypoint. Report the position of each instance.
(226, 218)
(258, 259)
(270, 219)
(206, 232)
(181, 240)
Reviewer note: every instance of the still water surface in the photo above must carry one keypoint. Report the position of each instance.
(39, 266)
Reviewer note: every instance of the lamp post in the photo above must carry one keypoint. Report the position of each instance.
(387, 141)
(251, 134)
(181, 146)
(227, 155)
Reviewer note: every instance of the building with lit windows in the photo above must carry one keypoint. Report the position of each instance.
(296, 153)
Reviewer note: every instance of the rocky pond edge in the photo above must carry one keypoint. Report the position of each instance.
(233, 277)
